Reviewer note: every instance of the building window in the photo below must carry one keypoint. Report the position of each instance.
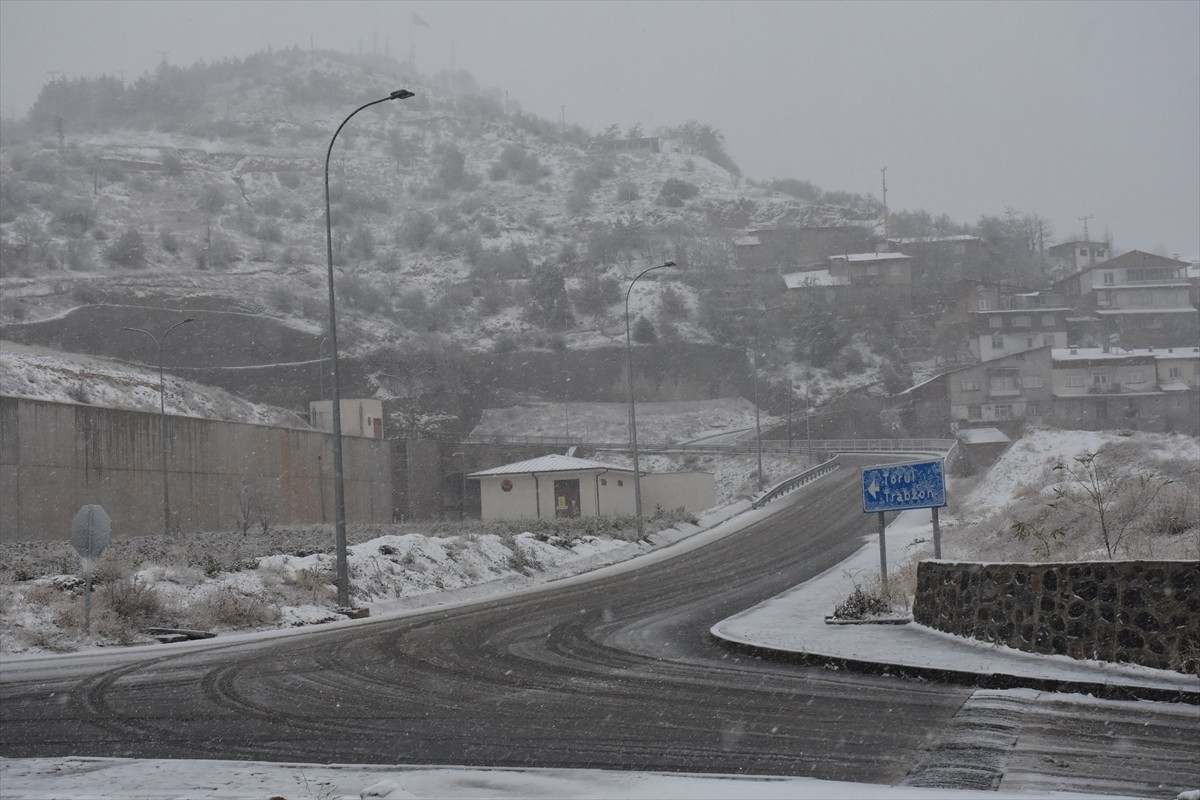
(1099, 379)
(974, 412)
(1175, 372)
(983, 304)
(1048, 321)
(604, 481)
(1032, 381)
(998, 341)
(1134, 376)
(995, 322)
(1101, 252)
(1075, 380)
(1032, 410)
(1029, 341)
(1047, 340)
(1109, 280)
(1003, 411)
(1004, 383)
(970, 385)
(1022, 321)
(1083, 251)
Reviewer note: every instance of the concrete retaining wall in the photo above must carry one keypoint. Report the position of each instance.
(1141, 612)
(56, 457)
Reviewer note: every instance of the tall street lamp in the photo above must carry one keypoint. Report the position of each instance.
(757, 422)
(339, 496)
(162, 416)
(637, 475)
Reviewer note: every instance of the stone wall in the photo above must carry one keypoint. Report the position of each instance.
(1141, 612)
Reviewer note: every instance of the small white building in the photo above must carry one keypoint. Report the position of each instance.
(557, 486)
(359, 417)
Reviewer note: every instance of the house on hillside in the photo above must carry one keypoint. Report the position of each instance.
(1097, 388)
(639, 144)
(1006, 393)
(1135, 300)
(1079, 255)
(938, 261)
(1001, 332)
(874, 269)
(788, 249)
(557, 486)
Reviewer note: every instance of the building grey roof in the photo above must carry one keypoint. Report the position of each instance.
(551, 463)
(982, 436)
(860, 257)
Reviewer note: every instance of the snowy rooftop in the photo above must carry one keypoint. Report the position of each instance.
(983, 436)
(934, 239)
(1091, 353)
(855, 257)
(551, 463)
(813, 277)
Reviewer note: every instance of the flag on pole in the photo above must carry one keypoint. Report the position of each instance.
(420, 23)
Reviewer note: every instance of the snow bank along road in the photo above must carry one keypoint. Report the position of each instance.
(610, 670)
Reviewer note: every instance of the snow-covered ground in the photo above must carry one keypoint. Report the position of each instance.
(148, 779)
(460, 569)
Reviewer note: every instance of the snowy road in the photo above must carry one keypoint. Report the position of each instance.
(614, 670)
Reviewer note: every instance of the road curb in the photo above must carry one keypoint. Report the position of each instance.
(990, 680)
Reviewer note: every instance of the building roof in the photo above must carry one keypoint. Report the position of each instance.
(982, 436)
(551, 463)
(856, 257)
(962, 237)
(1136, 258)
(1095, 354)
(813, 277)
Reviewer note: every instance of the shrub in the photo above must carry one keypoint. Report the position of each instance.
(675, 192)
(229, 607)
(212, 199)
(169, 241)
(129, 250)
(627, 192)
(861, 604)
(172, 164)
(130, 600)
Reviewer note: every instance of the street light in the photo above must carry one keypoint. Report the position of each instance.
(637, 479)
(339, 496)
(757, 425)
(162, 416)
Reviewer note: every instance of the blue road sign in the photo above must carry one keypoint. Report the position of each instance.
(896, 487)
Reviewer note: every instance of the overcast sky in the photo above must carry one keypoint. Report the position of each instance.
(1066, 109)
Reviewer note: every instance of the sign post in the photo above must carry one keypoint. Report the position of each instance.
(898, 487)
(91, 530)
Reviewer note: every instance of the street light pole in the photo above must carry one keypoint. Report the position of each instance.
(339, 496)
(637, 479)
(162, 416)
(757, 423)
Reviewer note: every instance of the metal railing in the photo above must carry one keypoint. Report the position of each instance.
(795, 482)
(797, 447)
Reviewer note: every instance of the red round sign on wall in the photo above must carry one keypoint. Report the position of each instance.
(506, 485)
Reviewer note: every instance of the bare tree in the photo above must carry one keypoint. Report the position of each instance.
(1106, 495)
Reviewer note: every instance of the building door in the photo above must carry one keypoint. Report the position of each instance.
(566, 498)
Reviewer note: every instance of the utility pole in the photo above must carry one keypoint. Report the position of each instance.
(1084, 220)
(885, 212)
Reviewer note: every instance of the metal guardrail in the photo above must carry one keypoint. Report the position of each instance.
(749, 447)
(795, 482)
